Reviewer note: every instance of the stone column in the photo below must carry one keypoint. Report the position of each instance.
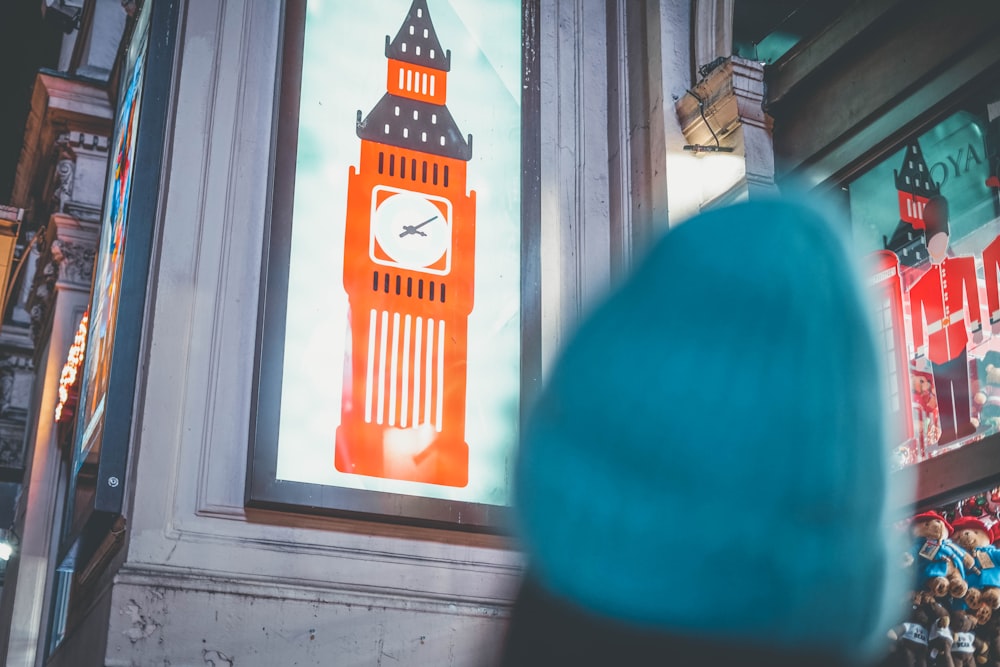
(60, 179)
(60, 296)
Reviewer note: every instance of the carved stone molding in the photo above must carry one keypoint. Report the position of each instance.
(75, 260)
(98, 142)
(65, 261)
(78, 176)
(17, 373)
(65, 169)
(68, 124)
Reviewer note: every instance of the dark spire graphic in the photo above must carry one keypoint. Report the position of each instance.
(915, 188)
(401, 121)
(416, 42)
(914, 177)
(412, 114)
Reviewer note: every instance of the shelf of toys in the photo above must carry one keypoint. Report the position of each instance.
(953, 561)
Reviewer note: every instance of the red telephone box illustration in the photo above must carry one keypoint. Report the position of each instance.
(887, 285)
(409, 269)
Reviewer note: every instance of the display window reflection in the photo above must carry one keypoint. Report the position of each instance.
(928, 220)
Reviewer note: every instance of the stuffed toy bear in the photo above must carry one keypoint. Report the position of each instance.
(967, 649)
(987, 400)
(941, 564)
(972, 534)
(911, 635)
(989, 633)
(939, 638)
(988, 628)
(924, 397)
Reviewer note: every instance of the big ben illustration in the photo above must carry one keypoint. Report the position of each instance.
(914, 189)
(409, 266)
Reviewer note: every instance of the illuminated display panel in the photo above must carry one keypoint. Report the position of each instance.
(927, 216)
(106, 380)
(390, 375)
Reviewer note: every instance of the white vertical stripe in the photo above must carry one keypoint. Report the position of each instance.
(401, 75)
(417, 342)
(409, 79)
(383, 340)
(404, 406)
(394, 369)
(440, 375)
(432, 84)
(429, 371)
(423, 83)
(371, 367)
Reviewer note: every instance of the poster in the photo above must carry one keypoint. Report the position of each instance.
(110, 254)
(402, 334)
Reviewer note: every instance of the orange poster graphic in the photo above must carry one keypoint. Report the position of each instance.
(409, 268)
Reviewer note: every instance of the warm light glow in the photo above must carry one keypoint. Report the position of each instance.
(7, 542)
(73, 362)
(10, 226)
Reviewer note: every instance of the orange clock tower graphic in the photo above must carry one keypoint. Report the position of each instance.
(409, 268)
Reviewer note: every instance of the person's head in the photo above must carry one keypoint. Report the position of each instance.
(936, 230)
(709, 454)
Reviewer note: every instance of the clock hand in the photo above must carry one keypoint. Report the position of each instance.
(415, 229)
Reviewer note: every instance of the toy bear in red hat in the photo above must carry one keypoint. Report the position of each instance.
(973, 535)
(989, 629)
(941, 564)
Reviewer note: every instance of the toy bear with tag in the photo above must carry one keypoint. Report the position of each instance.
(940, 563)
(972, 534)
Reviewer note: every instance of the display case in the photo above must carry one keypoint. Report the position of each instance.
(925, 217)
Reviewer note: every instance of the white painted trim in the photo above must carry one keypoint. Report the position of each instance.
(713, 31)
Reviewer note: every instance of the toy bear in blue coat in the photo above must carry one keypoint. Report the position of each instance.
(941, 563)
(972, 535)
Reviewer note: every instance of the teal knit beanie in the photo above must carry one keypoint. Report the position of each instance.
(709, 456)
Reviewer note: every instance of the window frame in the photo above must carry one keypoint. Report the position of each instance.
(263, 489)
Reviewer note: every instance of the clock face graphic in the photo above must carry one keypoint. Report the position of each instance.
(411, 230)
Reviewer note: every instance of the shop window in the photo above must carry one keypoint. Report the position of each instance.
(427, 292)
(928, 216)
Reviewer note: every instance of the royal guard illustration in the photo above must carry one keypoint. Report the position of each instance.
(944, 305)
(991, 270)
(914, 188)
(409, 269)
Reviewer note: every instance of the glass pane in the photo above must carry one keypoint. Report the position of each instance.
(927, 217)
(401, 364)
